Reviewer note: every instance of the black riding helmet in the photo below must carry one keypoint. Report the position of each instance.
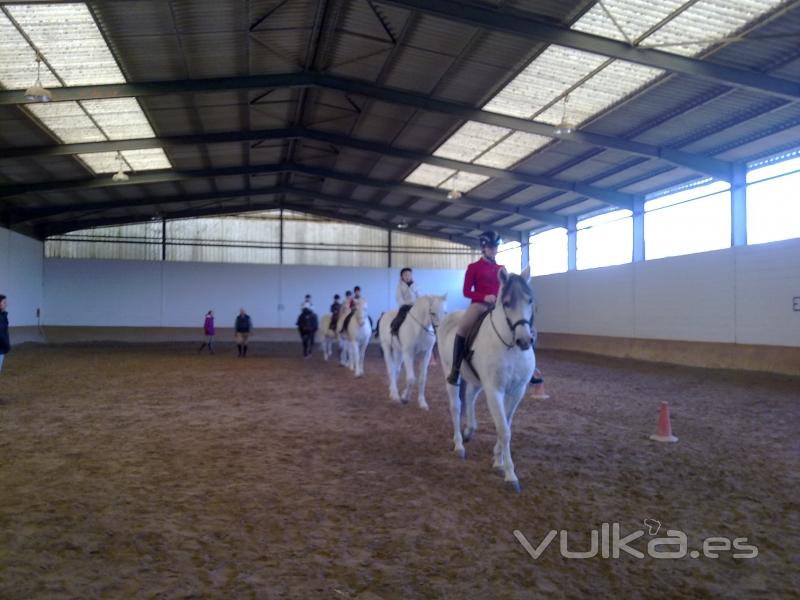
(490, 238)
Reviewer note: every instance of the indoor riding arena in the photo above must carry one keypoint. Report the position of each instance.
(400, 299)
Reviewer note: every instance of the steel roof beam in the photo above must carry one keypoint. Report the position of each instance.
(392, 186)
(609, 196)
(709, 166)
(533, 27)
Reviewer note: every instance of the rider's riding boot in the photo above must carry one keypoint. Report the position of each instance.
(458, 356)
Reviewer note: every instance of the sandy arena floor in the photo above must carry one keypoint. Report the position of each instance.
(152, 472)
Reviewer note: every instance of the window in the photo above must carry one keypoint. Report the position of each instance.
(605, 240)
(549, 252)
(510, 256)
(773, 204)
(689, 221)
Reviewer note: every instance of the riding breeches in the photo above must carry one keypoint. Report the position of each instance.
(473, 312)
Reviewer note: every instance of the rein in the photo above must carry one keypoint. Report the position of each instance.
(511, 326)
(424, 327)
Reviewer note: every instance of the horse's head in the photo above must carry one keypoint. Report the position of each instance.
(437, 307)
(517, 302)
(360, 308)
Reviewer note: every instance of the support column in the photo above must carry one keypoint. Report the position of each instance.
(572, 243)
(163, 239)
(638, 230)
(280, 240)
(524, 245)
(739, 205)
(389, 250)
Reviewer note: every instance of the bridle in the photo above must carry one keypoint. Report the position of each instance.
(511, 326)
(431, 314)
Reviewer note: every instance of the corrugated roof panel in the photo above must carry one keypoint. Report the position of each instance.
(512, 149)
(68, 37)
(470, 141)
(707, 21)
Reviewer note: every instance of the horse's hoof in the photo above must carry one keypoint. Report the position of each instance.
(404, 400)
(424, 406)
(468, 433)
(461, 453)
(515, 486)
(498, 469)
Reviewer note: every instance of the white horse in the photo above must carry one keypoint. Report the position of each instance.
(502, 364)
(416, 336)
(356, 337)
(329, 336)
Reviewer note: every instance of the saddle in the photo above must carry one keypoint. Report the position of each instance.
(469, 340)
(346, 322)
(402, 313)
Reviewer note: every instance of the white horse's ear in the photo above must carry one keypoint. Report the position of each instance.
(526, 273)
(502, 275)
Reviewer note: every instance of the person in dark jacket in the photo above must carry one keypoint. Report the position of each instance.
(307, 325)
(243, 327)
(5, 340)
(336, 307)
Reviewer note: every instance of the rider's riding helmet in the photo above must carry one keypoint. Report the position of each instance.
(490, 238)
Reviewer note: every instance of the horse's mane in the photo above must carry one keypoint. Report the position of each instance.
(514, 287)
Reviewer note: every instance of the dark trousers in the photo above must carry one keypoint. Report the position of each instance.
(308, 343)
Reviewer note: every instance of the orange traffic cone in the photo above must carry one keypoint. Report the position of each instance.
(664, 433)
(538, 392)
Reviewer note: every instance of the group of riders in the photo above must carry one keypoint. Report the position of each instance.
(481, 287)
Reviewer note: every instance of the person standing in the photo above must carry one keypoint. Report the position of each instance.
(209, 331)
(5, 340)
(243, 328)
(307, 325)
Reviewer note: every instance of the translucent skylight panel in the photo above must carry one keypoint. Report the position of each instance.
(429, 175)
(68, 38)
(147, 160)
(18, 60)
(67, 121)
(120, 118)
(512, 149)
(138, 160)
(636, 17)
(470, 141)
(544, 80)
(708, 20)
(463, 182)
(604, 89)
(67, 35)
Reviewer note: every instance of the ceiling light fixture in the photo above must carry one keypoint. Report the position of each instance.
(565, 127)
(453, 195)
(120, 175)
(37, 93)
(402, 224)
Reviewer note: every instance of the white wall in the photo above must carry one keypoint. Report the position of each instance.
(21, 276)
(738, 295)
(178, 294)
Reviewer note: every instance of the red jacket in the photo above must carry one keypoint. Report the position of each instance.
(481, 280)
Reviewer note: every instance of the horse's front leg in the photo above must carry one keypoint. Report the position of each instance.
(362, 353)
(470, 395)
(455, 416)
(408, 367)
(423, 378)
(391, 371)
(496, 401)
